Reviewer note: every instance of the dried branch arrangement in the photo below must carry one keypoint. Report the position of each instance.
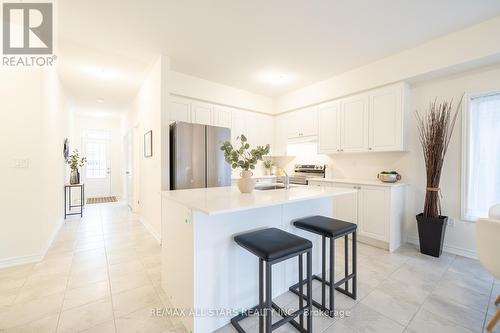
(435, 128)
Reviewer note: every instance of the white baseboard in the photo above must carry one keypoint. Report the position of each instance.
(32, 258)
(150, 229)
(447, 248)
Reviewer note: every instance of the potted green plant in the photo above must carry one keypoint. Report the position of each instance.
(75, 161)
(243, 157)
(435, 129)
(268, 164)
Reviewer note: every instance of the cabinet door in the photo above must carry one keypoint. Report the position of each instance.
(328, 128)
(345, 207)
(264, 130)
(201, 113)
(280, 134)
(373, 210)
(302, 123)
(221, 116)
(179, 109)
(237, 124)
(386, 119)
(354, 124)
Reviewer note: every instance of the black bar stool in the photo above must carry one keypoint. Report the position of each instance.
(272, 246)
(332, 229)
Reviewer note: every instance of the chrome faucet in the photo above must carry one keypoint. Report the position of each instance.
(287, 180)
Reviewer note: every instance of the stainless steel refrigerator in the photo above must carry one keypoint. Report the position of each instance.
(195, 157)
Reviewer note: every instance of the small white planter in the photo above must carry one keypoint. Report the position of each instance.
(246, 183)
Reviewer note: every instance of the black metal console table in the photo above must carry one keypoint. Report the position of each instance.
(68, 205)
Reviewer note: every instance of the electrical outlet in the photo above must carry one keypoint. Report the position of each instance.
(451, 222)
(21, 163)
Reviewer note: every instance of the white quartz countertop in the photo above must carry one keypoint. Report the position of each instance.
(357, 181)
(220, 200)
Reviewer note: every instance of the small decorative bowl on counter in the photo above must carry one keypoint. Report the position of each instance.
(389, 177)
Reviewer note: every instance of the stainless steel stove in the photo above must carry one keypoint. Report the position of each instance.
(303, 171)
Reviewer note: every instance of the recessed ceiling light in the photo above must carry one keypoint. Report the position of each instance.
(100, 100)
(275, 78)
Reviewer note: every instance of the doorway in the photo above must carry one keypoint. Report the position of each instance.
(97, 170)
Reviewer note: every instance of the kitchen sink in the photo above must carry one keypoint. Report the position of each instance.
(267, 187)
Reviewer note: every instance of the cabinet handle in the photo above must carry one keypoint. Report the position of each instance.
(354, 187)
(370, 148)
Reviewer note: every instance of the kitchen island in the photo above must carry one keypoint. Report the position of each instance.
(204, 272)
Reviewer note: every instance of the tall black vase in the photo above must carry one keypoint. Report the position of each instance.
(431, 234)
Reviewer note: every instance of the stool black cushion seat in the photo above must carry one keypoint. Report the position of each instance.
(272, 243)
(325, 226)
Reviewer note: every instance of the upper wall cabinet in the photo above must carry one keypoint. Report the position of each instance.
(354, 124)
(222, 116)
(201, 113)
(180, 109)
(386, 119)
(302, 123)
(367, 122)
(329, 128)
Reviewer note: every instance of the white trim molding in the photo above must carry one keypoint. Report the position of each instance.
(449, 249)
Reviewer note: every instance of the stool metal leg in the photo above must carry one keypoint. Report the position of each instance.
(309, 291)
(332, 275)
(346, 261)
(301, 291)
(323, 272)
(261, 295)
(269, 301)
(354, 265)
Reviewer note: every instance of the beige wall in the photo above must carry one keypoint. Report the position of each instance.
(147, 113)
(33, 124)
(461, 237)
(114, 125)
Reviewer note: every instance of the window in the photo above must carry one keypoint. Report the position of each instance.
(481, 154)
(96, 160)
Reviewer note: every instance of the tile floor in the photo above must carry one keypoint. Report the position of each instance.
(102, 274)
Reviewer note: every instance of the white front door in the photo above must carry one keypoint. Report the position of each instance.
(97, 170)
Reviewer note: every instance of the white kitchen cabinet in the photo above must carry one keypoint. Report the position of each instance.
(280, 135)
(354, 120)
(201, 113)
(378, 210)
(369, 122)
(302, 123)
(221, 116)
(329, 128)
(257, 127)
(373, 210)
(386, 120)
(179, 109)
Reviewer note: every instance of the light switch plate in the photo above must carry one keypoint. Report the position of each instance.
(21, 163)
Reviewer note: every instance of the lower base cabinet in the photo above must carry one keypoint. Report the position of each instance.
(377, 210)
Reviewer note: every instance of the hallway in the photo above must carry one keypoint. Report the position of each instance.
(102, 272)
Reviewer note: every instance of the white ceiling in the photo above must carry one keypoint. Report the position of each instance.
(235, 42)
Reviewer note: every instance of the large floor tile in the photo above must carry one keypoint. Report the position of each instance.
(134, 299)
(86, 316)
(365, 319)
(426, 322)
(398, 309)
(459, 314)
(142, 321)
(86, 294)
(23, 313)
(44, 325)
